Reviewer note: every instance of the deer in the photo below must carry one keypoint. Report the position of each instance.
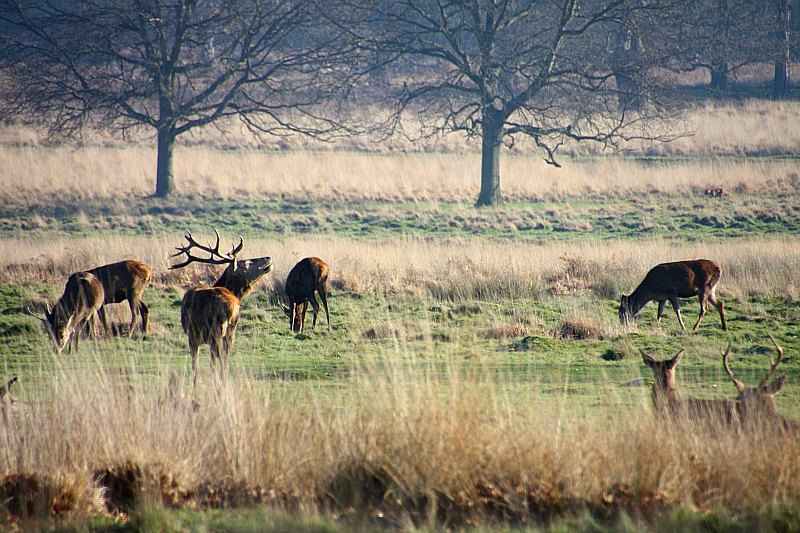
(757, 404)
(672, 281)
(667, 399)
(209, 315)
(78, 306)
(125, 280)
(308, 276)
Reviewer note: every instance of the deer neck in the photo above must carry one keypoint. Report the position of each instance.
(238, 284)
(637, 300)
(665, 398)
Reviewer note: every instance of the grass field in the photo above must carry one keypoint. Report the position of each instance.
(475, 373)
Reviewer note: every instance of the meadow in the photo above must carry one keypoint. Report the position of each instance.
(475, 375)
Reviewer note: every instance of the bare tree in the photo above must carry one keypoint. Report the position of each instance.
(508, 68)
(782, 49)
(169, 65)
(720, 36)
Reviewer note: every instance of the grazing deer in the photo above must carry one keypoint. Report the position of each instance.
(671, 281)
(757, 404)
(666, 398)
(125, 280)
(83, 296)
(308, 276)
(209, 315)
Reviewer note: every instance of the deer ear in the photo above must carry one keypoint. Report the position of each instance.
(649, 361)
(677, 359)
(775, 386)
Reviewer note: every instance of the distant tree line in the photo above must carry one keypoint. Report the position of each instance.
(552, 71)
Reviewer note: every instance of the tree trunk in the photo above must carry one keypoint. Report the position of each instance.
(164, 173)
(719, 77)
(781, 80)
(490, 161)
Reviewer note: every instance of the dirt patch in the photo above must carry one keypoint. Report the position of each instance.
(579, 329)
(507, 331)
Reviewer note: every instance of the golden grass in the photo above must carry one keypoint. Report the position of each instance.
(452, 270)
(396, 170)
(409, 444)
(33, 176)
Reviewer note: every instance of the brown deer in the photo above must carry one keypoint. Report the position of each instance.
(757, 404)
(666, 398)
(308, 276)
(83, 296)
(125, 280)
(672, 281)
(209, 315)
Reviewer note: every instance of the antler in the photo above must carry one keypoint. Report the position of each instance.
(43, 318)
(215, 256)
(773, 365)
(739, 385)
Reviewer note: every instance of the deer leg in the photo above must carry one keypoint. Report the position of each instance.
(144, 312)
(134, 309)
(230, 339)
(677, 307)
(721, 308)
(217, 347)
(661, 304)
(314, 310)
(300, 316)
(76, 333)
(703, 305)
(193, 348)
(324, 298)
(104, 319)
(93, 325)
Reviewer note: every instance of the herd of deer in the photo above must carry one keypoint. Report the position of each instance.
(209, 315)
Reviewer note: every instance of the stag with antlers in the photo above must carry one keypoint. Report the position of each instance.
(667, 400)
(757, 404)
(209, 315)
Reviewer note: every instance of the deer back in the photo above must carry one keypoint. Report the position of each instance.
(307, 276)
(123, 278)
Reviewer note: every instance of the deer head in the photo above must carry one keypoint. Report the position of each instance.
(240, 275)
(625, 314)
(295, 312)
(758, 400)
(663, 372)
(57, 324)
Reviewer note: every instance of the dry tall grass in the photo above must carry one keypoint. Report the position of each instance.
(452, 270)
(409, 446)
(35, 176)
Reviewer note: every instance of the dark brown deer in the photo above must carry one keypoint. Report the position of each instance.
(308, 276)
(125, 280)
(666, 398)
(83, 296)
(672, 281)
(209, 315)
(757, 404)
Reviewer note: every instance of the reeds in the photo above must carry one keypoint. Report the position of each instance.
(414, 443)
